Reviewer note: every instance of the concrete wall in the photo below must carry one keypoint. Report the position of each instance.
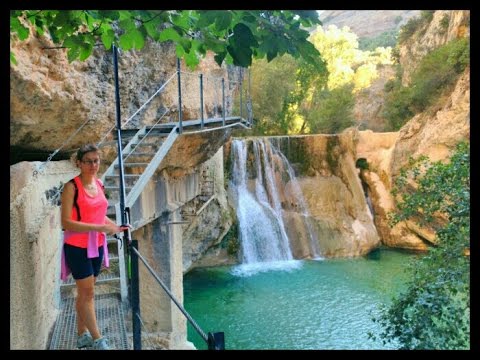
(35, 238)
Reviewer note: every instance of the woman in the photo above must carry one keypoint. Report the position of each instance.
(85, 222)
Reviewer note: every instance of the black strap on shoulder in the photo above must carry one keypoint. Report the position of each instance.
(75, 197)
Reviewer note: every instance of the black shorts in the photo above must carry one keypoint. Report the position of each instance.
(81, 266)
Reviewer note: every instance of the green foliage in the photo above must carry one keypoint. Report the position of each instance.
(292, 96)
(415, 24)
(395, 55)
(427, 15)
(387, 38)
(444, 23)
(438, 71)
(434, 311)
(331, 110)
(345, 62)
(231, 242)
(13, 60)
(235, 36)
(397, 106)
(271, 84)
(299, 102)
(436, 74)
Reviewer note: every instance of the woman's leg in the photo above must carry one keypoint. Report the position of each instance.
(85, 306)
(84, 272)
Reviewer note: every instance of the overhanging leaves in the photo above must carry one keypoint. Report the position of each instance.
(233, 35)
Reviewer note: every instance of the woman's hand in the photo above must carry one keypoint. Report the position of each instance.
(111, 228)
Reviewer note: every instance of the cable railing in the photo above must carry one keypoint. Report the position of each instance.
(214, 87)
(146, 135)
(205, 81)
(139, 109)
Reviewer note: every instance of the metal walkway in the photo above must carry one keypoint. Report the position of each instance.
(110, 318)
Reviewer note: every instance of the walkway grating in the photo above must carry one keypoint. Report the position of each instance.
(110, 320)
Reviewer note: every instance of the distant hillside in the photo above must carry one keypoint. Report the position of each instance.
(368, 23)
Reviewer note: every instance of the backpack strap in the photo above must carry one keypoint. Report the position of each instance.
(75, 197)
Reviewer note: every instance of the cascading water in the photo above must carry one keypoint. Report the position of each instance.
(255, 193)
(302, 207)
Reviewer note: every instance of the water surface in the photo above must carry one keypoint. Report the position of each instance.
(325, 304)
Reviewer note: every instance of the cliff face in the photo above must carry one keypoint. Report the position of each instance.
(432, 36)
(369, 102)
(50, 99)
(433, 133)
(368, 23)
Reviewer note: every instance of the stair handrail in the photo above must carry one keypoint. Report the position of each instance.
(152, 166)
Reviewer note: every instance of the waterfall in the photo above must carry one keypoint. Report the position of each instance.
(302, 207)
(259, 177)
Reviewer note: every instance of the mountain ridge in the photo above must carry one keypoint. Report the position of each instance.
(368, 23)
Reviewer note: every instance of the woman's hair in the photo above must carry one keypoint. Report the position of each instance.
(85, 149)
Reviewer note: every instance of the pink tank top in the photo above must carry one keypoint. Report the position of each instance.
(93, 209)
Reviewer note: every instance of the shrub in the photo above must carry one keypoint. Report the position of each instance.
(436, 74)
(434, 311)
(444, 22)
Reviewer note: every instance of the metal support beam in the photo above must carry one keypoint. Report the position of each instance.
(201, 100)
(135, 295)
(223, 101)
(180, 128)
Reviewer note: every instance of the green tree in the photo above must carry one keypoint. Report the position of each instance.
(272, 82)
(385, 39)
(434, 311)
(298, 104)
(345, 62)
(302, 89)
(235, 36)
(331, 110)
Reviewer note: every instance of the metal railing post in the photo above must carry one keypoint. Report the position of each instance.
(216, 341)
(241, 98)
(249, 101)
(135, 295)
(180, 128)
(223, 101)
(201, 100)
(119, 136)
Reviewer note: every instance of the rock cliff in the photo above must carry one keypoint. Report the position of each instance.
(50, 99)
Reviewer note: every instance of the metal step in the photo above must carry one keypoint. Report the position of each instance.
(141, 145)
(135, 153)
(132, 164)
(110, 314)
(139, 157)
(116, 188)
(114, 180)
